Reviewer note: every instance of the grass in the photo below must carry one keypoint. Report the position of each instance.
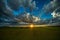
(37, 33)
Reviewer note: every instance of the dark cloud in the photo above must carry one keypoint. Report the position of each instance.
(54, 8)
(11, 5)
(50, 7)
(26, 17)
(15, 4)
(7, 7)
(56, 13)
(6, 14)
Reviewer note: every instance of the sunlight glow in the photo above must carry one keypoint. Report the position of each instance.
(31, 25)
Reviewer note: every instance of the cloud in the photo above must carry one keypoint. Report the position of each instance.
(36, 19)
(55, 16)
(27, 17)
(33, 6)
(15, 4)
(54, 8)
(11, 5)
(23, 23)
(7, 13)
(56, 13)
(50, 7)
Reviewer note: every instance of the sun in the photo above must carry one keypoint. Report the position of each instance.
(31, 25)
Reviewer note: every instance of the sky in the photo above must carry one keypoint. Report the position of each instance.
(39, 4)
(46, 11)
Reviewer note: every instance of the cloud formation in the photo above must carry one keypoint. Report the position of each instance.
(15, 4)
(54, 8)
(56, 13)
(50, 7)
(26, 17)
(11, 5)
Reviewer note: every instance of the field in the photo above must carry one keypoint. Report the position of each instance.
(27, 33)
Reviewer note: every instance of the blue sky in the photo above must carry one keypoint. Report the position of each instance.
(44, 9)
(39, 4)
